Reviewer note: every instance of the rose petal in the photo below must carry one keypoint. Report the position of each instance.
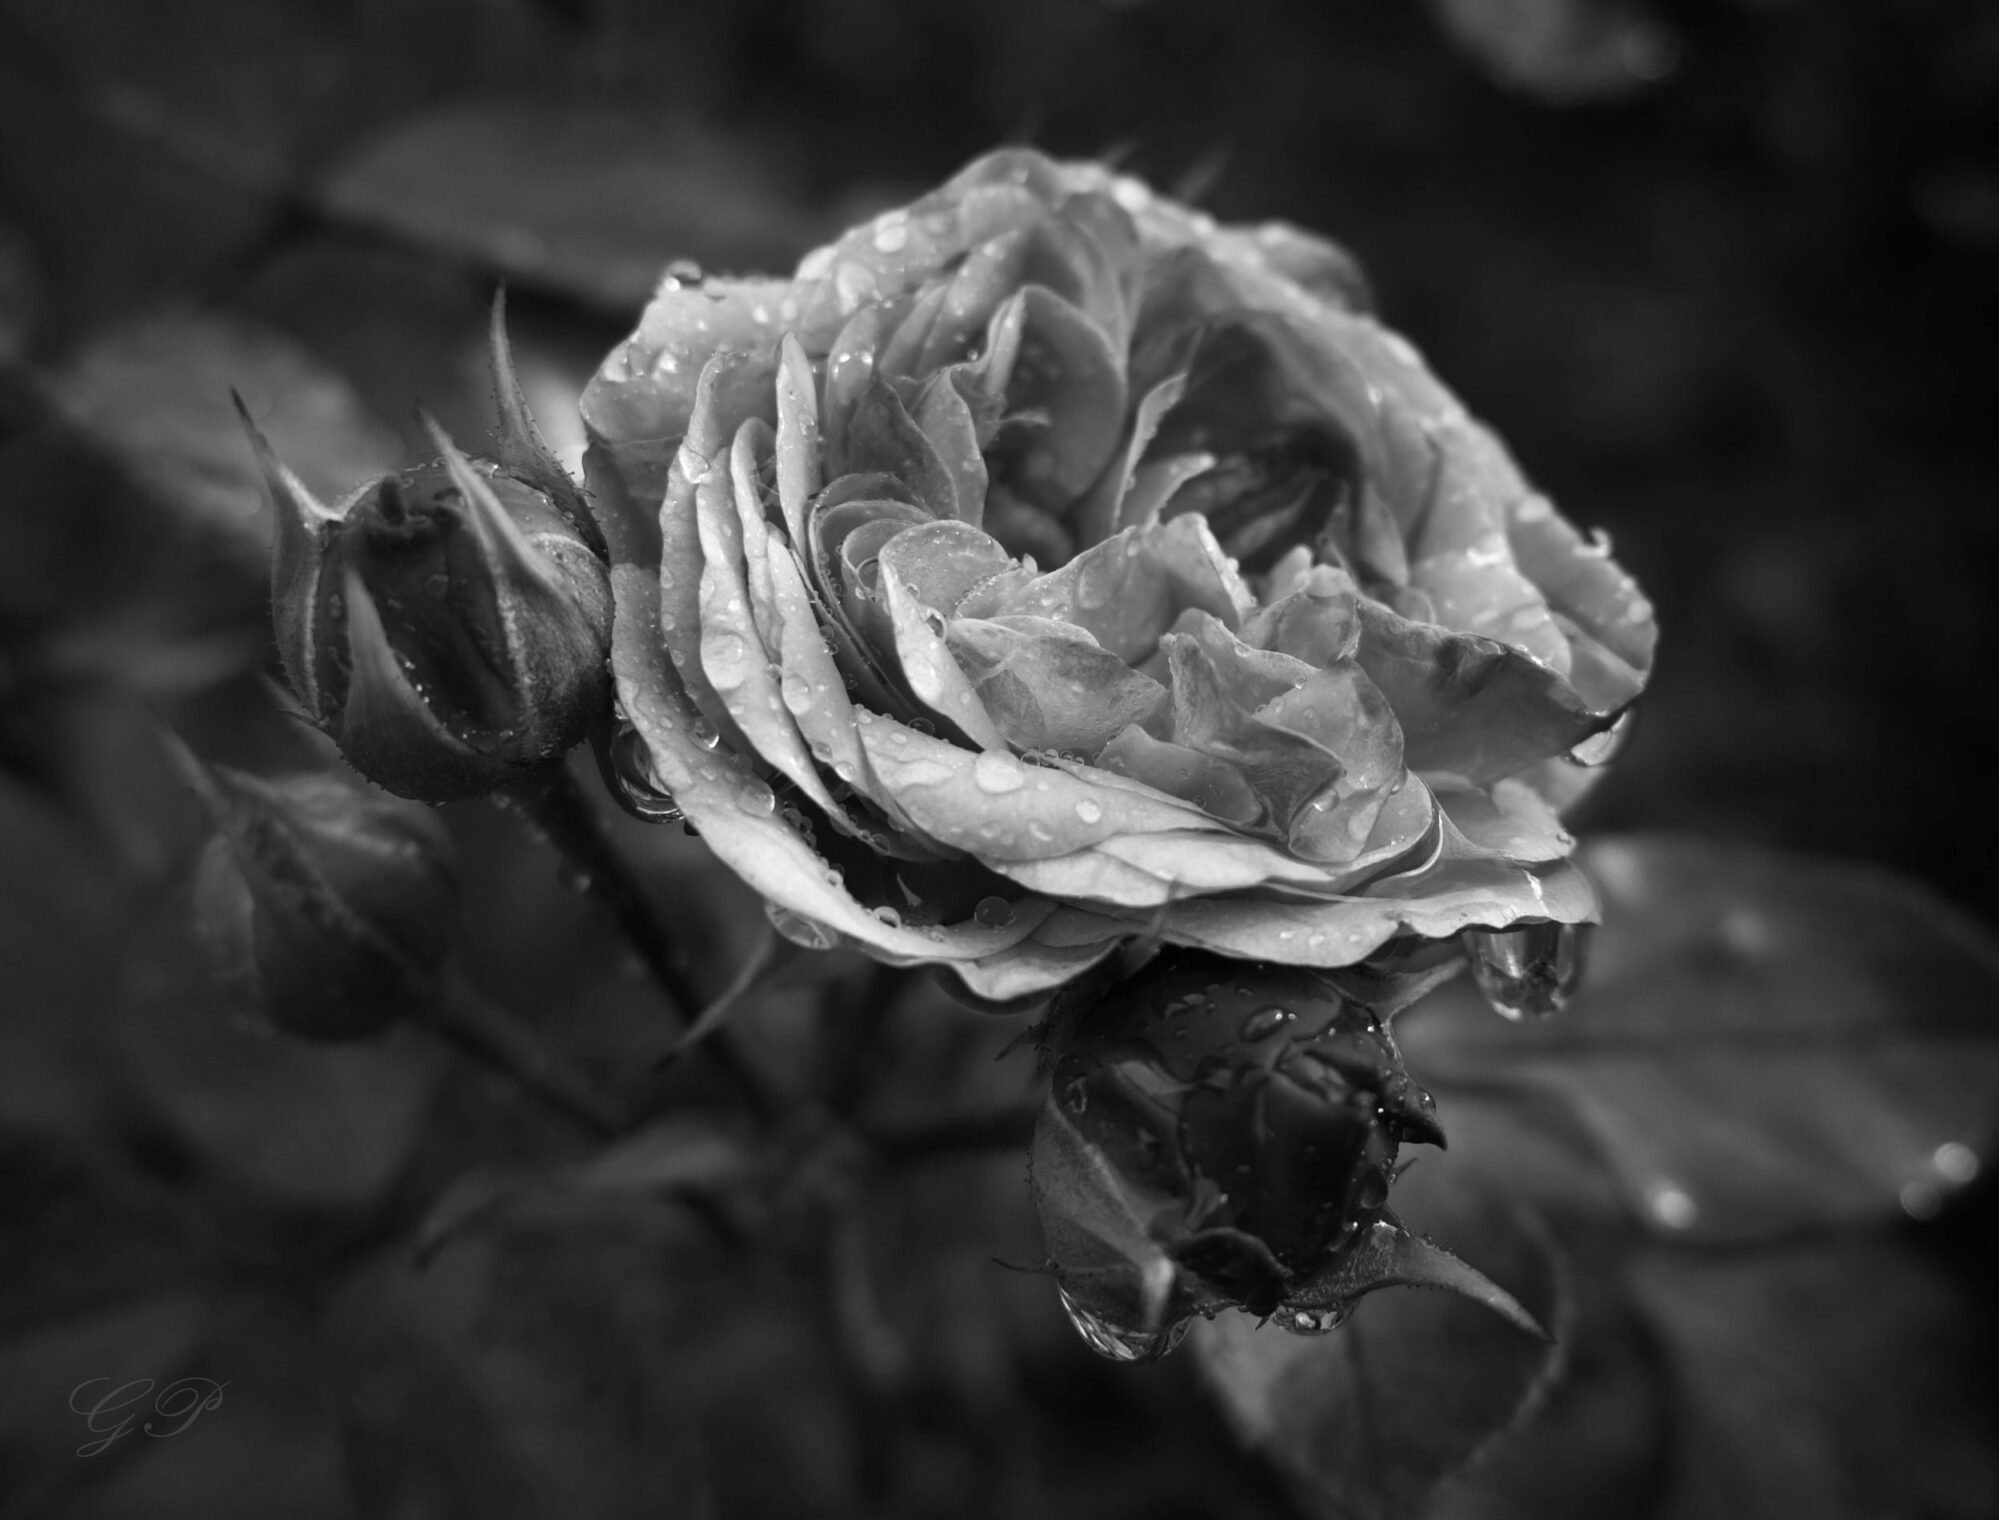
(1211, 784)
(1469, 707)
(1128, 590)
(994, 807)
(1049, 685)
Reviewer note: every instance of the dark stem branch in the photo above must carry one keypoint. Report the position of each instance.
(493, 1036)
(558, 808)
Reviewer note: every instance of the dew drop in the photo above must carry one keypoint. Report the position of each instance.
(704, 733)
(997, 773)
(1527, 971)
(800, 930)
(757, 799)
(993, 912)
(1117, 1343)
(889, 916)
(1265, 1022)
(797, 692)
(726, 658)
(1089, 811)
(891, 237)
(1672, 1206)
(1955, 1162)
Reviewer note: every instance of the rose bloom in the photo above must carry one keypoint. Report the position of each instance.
(1044, 565)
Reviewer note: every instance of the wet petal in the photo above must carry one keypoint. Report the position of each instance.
(1469, 707)
(928, 670)
(1049, 685)
(1128, 590)
(1067, 388)
(999, 809)
(1319, 622)
(1211, 784)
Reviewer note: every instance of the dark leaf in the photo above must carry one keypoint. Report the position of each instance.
(1760, 1044)
(1370, 1420)
(588, 201)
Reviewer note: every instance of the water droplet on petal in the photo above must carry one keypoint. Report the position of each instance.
(1119, 1344)
(800, 930)
(797, 692)
(704, 733)
(1672, 1206)
(1265, 1022)
(757, 799)
(997, 773)
(993, 912)
(888, 915)
(726, 658)
(1089, 811)
(1527, 971)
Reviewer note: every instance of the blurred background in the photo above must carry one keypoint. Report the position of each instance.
(1724, 273)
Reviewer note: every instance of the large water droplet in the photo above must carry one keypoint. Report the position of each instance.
(757, 799)
(726, 658)
(1119, 1344)
(797, 692)
(704, 733)
(1265, 1022)
(997, 773)
(800, 930)
(1527, 971)
(1089, 811)
(634, 783)
(1599, 749)
(993, 912)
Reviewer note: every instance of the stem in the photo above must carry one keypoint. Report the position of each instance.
(558, 808)
(493, 1036)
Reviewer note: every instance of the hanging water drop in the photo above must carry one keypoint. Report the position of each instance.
(800, 930)
(1527, 971)
(634, 783)
(704, 733)
(993, 912)
(1119, 1344)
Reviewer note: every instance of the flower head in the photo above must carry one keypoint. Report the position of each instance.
(1044, 565)
(448, 625)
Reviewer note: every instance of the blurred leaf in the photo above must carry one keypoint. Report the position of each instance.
(1761, 1044)
(1841, 1382)
(156, 394)
(672, 1156)
(1566, 52)
(592, 201)
(1370, 1420)
(522, 1373)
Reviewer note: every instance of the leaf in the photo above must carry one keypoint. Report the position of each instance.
(1369, 1421)
(520, 1373)
(1761, 1044)
(1842, 1383)
(589, 200)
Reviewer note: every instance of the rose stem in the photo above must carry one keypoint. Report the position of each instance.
(557, 807)
(996, 1129)
(494, 1037)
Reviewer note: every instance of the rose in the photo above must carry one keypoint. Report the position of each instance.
(1044, 565)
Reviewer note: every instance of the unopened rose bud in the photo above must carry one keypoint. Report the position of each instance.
(1224, 1134)
(447, 625)
(329, 903)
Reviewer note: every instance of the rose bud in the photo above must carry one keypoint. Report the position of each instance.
(1044, 567)
(329, 904)
(1222, 1134)
(447, 625)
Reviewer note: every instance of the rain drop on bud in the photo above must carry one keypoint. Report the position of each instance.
(1315, 1321)
(800, 930)
(1527, 971)
(1117, 1343)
